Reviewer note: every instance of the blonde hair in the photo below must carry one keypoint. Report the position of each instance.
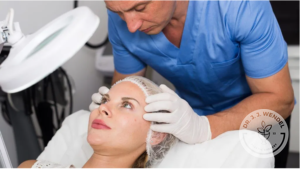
(154, 153)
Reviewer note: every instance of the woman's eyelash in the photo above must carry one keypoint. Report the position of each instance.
(103, 100)
(126, 102)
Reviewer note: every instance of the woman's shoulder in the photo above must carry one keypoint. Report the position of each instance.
(42, 164)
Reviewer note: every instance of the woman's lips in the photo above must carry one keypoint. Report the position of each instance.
(99, 124)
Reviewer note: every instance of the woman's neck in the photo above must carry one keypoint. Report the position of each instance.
(112, 161)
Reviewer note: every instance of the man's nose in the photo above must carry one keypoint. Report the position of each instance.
(133, 22)
(104, 110)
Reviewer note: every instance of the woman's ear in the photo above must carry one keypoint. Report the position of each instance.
(157, 138)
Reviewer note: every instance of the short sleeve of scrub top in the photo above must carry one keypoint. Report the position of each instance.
(124, 61)
(263, 49)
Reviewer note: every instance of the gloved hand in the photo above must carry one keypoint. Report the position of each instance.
(97, 97)
(182, 121)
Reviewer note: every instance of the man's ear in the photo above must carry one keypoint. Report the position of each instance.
(157, 138)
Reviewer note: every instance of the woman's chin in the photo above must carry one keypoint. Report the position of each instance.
(94, 139)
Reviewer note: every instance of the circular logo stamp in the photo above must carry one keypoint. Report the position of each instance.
(269, 133)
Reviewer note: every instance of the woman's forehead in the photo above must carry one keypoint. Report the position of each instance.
(126, 89)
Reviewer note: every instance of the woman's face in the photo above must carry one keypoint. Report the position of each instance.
(122, 112)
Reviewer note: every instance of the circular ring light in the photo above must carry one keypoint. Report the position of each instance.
(37, 55)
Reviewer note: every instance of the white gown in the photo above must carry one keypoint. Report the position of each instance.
(48, 164)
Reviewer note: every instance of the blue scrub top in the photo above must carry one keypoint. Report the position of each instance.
(221, 43)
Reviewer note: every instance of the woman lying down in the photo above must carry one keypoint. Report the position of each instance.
(120, 137)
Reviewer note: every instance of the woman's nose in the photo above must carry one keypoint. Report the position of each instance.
(104, 110)
(133, 22)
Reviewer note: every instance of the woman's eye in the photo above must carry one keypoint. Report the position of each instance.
(103, 101)
(127, 105)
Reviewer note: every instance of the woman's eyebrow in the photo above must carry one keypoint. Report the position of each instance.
(129, 98)
(106, 96)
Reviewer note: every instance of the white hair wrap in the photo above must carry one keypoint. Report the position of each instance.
(146, 85)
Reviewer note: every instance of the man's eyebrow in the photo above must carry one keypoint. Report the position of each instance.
(129, 98)
(131, 8)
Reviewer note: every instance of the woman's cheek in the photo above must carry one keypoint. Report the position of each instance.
(132, 119)
(129, 121)
(141, 124)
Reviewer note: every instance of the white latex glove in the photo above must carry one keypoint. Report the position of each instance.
(182, 121)
(97, 97)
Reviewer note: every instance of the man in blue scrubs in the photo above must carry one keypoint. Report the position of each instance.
(225, 59)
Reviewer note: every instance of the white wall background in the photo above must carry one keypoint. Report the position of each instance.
(293, 52)
(32, 15)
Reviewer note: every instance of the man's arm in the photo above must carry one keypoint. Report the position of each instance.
(27, 164)
(118, 76)
(274, 93)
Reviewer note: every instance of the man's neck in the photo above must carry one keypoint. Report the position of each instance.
(174, 30)
(179, 15)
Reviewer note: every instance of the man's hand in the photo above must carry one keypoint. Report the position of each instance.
(182, 121)
(97, 97)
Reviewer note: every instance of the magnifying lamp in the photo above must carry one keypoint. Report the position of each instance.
(33, 57)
